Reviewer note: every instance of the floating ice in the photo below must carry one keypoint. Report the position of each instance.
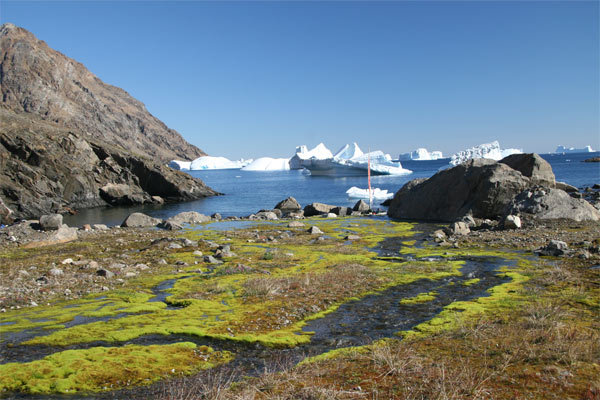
(268, 164)
(348, 161)
(208, 162)
(487, 150)
(421, 154)
(378, 194)
(563, 149)
(320, 152)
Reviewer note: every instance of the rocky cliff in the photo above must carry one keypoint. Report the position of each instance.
(39, 80)
(69, 141)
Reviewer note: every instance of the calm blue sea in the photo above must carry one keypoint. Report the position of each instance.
(246, 192)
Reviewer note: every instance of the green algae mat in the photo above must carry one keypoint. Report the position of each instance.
(274, 283)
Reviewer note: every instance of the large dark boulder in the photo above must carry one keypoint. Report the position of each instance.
(288, 205)
(317, 209)
(532, 166)
(480, 187)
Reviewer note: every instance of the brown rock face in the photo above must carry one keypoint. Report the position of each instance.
(70, 141)
(39, 80)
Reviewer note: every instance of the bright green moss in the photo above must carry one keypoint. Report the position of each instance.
(420, 298)
(107, 368)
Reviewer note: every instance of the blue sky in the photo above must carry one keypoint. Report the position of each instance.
(250, 79)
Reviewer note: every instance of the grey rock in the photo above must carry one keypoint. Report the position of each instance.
(197, 253)
(296, 224)
(313, 230)
(317, 209)
(174, 246)
(216, 217)
(170, 226)
(361, 206)
(51, 222)
(512, 222)
(352, 237)
(105, 273)
(117, 266)
(554, 248)
(288, 205)
(458, 228)
(533, 167)
(189, 217)
(140, 220)
(439, 235)
(211, 260)
(100, 227)
(188, 243)
(268, 215)
(566, 187)
(341, 211)
(56, 272)
(544, 203)
(329, 215)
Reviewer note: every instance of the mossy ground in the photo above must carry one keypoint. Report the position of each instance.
(280, 278)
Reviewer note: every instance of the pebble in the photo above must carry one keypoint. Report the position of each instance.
(67, 261)
(174, 246)
(33, 304)
(56, 272)
(197, 253)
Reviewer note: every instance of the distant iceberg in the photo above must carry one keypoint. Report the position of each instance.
(268, 164)
(421, 154)
(486, 150)
(208, 162)
(563, 149)
(348, 161)
(378, 194)
(320, 152)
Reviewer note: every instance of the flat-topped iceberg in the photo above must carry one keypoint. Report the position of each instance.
(563, 149)
(208, 162)
(348, 161)
(421, 154)
(268, 164)
(377, 194)
(487, 150)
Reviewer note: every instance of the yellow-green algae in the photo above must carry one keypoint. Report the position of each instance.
(420, 298)
(220, 305)
(108, 368)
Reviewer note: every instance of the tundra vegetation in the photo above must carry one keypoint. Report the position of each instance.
(171, 320)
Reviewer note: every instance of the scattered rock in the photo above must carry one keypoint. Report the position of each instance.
(211, 260)
(216, 217)
(197, 253)
(100, 227)
(512, 222)
(313, 230)
(317, 209)
(105, 273)
(174, 246)
(341, 211)
(295, 224)
(67, 261)
(117, 266)
(439, 235)
(329, 215)
(268, 215)
(288, 205)
(170, 226)
(458, 228)
(361, 206)
(189, 217)
(554, 248)
(56, 272)
(352, 237)
(51, 222)
(140, 220)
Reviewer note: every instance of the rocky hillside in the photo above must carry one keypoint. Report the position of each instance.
(39, 80)
(69, 141)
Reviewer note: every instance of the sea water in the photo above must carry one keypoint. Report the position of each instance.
(246, 192)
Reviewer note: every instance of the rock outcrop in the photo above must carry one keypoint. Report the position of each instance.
(38, 80)
(547, 203)
(66, 143)
(532, 166)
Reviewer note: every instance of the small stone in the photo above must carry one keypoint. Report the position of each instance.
(170, 226)
(105, 273)
(130, 274)
(141, 267)
(100, 227)
(87, 227)
(174, 246)
(117, 266)
(23, 272)
(33, 304)
(352, 237)
(179, 262)
(211, 260)
(329, 215)
(162, 261)
(512, 222)
(189, 243)
(216, 217)
(313, 230)
(67, 261)
(554, 248)
(67, 292)
(295, 224)
(197, 253)
(56, 272)
(105, 288)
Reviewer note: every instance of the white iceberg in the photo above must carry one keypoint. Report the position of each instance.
(180, 165)
(350, 161)
(268, 164)
(421, 154)
(319, 152)
(376, 193)
(208, 162)
(563, 149)
(487, 150)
